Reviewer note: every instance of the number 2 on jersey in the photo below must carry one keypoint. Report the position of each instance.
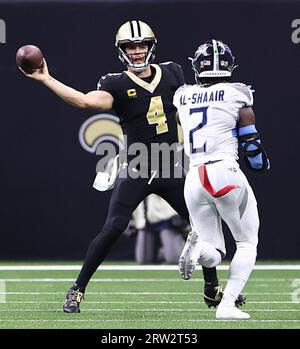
(202, 110)
(156, 115)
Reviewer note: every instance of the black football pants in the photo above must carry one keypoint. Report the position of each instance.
(126, 196)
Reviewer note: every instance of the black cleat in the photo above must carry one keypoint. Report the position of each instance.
(241, 299)
(213, 296)
(73, 299)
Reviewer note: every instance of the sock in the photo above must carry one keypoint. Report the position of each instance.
(233, 289)
(210, 275)
(75, 287)
(239, 272)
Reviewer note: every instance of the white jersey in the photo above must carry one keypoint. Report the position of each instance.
(209, 116)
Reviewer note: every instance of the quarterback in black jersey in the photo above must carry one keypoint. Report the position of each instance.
(144, 105)
(142, 97)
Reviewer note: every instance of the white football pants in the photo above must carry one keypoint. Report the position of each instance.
(218, 191)
(221, 191)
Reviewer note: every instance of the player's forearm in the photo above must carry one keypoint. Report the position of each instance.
(66, 93)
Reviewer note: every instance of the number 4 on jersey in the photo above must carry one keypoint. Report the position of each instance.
(156, 115)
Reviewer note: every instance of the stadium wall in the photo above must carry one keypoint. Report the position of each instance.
(49, 209)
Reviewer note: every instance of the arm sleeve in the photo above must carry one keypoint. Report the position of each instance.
(255, 156)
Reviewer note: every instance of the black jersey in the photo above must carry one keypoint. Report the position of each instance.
(145, 105)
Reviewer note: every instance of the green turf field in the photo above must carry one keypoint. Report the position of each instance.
(146, 299)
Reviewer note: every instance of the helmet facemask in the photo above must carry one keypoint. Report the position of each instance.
(126, 58)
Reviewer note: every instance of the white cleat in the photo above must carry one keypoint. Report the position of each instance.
(225, 312)
(186, 268)
(188, 258)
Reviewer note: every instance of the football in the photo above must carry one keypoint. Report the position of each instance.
(29, 58)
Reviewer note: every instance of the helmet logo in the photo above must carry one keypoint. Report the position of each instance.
(224, 64)
(204, 63)
(203, 50)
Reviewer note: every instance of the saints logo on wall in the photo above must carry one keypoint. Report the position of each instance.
(98, 129)
(105, 128)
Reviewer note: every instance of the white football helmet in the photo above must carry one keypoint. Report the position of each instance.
(135, 32)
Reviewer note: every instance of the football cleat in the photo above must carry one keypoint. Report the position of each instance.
(189, 256)
(213, 296)
(72, 302)
(186, 268)
(225, 312)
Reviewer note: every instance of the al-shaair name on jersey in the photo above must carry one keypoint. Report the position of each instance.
(145, 105)
(209, 116)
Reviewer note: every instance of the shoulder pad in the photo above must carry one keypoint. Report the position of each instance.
(171, 63)
(245, 90)
(107, 77)
(172, 66)
(182, 88)
(103, 77)
(165, 63)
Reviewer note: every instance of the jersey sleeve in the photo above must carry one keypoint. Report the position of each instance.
(176, 96)
(244, 94)
(176, 70)
(179, 74)
(106, 83)
(178, 93)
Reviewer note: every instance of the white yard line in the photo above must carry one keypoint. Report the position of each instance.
(98, 280)
(139, 267)
(138, 280)
(135, 293)
(141, 320)
(110, 293)
(142, 310)
(122, 280)
(127, 302)
(2, 291)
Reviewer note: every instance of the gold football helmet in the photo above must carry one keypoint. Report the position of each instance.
(135, 32)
